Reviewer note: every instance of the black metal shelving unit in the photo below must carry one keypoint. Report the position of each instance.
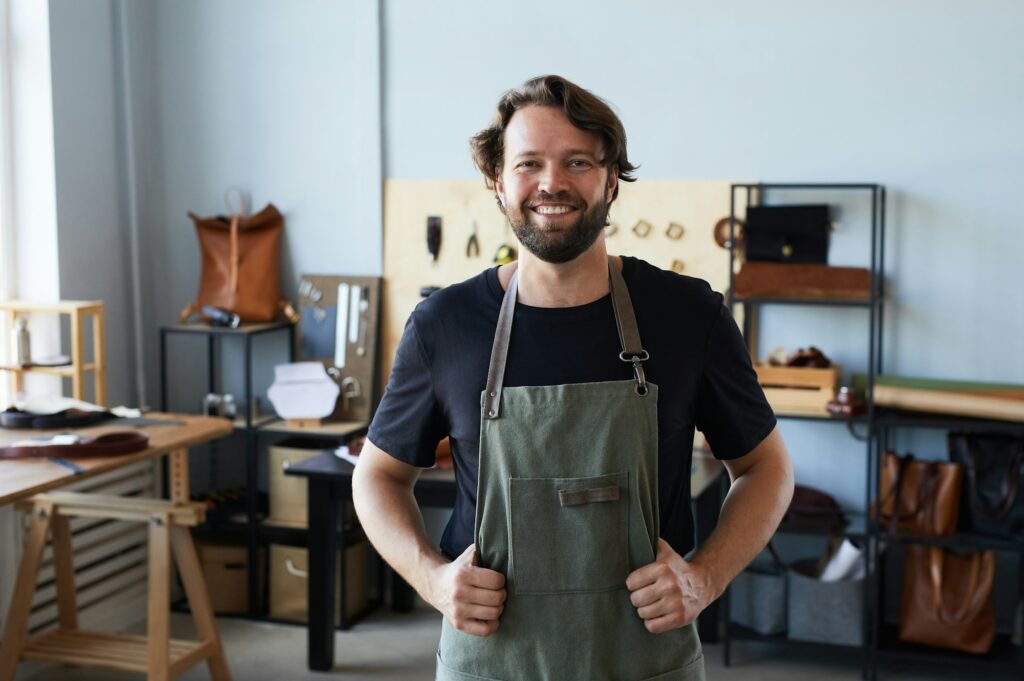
(860, 527)
(880, 641)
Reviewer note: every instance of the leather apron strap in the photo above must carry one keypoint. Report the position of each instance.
(625, 322)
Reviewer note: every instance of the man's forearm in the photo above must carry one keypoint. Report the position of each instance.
(393, 522)
(750, 515)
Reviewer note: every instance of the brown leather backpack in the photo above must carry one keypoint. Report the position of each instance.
(240, 258)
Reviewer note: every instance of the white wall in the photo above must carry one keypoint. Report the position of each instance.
(95, 260)
(925, 97)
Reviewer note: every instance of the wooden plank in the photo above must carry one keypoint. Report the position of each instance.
(191, 573)
(24, 588)
(64, 569)
(77, 357)
(22, 479)
(95, 649)
(158, 608)
(65, 306)
(799, 377)
(99, 357)
(943, 402)
(128, 508)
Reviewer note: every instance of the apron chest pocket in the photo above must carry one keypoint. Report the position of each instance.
(569, 534)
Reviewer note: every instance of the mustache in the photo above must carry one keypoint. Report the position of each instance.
(559, 197)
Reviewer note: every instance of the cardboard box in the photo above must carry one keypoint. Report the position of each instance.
(289, 582)
(288, 493)
(226, 570)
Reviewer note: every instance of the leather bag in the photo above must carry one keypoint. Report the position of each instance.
(108, 444)
(791, 234)
(947, 599)
(240, 259)
(919, 497)
(994, 463)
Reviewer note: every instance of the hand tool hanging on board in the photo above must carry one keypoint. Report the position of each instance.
(473, 244)
(434, 236)
(506, 253)
(364, 318)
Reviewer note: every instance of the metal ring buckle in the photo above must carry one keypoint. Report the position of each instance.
(637, 359)
(641, 380)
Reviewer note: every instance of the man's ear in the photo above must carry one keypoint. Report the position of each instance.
(613, 183)
(499, 191)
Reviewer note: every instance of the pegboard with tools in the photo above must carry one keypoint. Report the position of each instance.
(340, 326)
(669, 223)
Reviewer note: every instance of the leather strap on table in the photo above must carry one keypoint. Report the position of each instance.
(109, 444)
(67, 418)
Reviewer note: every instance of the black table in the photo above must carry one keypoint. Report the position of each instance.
(330, 487)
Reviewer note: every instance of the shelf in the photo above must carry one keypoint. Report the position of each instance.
(741, 633)
(62, 306)
(331, 428)
(207, 329)
(825, 417)
(1004, 654)
(238, 423)
(856, 529)
(809, 185)
(918, 419)
(827, 302)
(62, 370)
(960, 540)
(128, 653)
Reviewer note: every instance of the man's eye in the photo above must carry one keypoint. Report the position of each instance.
(527, 164)
(579, 163)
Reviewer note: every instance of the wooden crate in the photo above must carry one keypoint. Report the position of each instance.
(798, 390)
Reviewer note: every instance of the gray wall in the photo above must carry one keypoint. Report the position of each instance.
(925, 97)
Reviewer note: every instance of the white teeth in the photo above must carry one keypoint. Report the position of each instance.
(553, 210)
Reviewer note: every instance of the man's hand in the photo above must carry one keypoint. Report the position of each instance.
(670, 592)
(471, 598)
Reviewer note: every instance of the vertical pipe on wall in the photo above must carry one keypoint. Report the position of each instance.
(369, 124)
(132, 196)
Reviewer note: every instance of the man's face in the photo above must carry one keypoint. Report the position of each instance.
(552, 187)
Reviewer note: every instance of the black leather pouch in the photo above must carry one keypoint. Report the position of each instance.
(796, 234)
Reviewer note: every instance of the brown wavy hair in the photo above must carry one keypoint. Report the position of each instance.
(584, 109)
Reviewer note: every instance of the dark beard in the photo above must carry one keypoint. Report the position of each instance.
(557, 248)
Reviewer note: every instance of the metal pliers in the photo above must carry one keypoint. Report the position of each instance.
(473, 244)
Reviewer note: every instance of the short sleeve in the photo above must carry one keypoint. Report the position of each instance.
(408, 423)
(732, 411)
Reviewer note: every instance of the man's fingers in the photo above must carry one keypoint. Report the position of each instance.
(484, 578)
(642, 577)
(476, 627)
(467, 557)
(473, 611)
(645, 596)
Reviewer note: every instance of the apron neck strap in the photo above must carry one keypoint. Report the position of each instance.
(625, 322)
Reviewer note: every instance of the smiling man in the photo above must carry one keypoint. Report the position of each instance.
(570, 384)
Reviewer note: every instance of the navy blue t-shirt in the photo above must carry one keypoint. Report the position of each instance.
(698, 360)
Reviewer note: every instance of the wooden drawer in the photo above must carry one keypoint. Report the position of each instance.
(800, 390)
(289, 582)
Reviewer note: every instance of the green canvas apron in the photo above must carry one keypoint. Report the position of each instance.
(567, 507)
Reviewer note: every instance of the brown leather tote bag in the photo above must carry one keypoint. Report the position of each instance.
(240, 260)
(947, 599)
(919, 497)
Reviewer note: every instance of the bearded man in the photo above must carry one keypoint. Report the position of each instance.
(571, 428)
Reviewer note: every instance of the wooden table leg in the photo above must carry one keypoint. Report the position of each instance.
(99, 357)
(77, 357)
(64, 572)
(199, 600)
(159, 617)
(24, 589)
(178, 471)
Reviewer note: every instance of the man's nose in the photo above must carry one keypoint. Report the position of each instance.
(552, 179)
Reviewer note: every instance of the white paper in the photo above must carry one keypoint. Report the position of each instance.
(353, 312)
(846, 563)
(340, 337)
(303, 390)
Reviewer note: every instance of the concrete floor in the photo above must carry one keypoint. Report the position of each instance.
(402, 648)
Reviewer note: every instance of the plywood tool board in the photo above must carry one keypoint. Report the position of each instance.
(693, 206)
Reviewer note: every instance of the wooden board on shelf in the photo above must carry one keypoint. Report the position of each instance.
(693, 205)
(798, 390)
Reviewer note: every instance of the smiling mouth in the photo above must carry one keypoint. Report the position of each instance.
(553, 209)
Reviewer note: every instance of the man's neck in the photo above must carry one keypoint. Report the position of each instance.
(578, 282)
